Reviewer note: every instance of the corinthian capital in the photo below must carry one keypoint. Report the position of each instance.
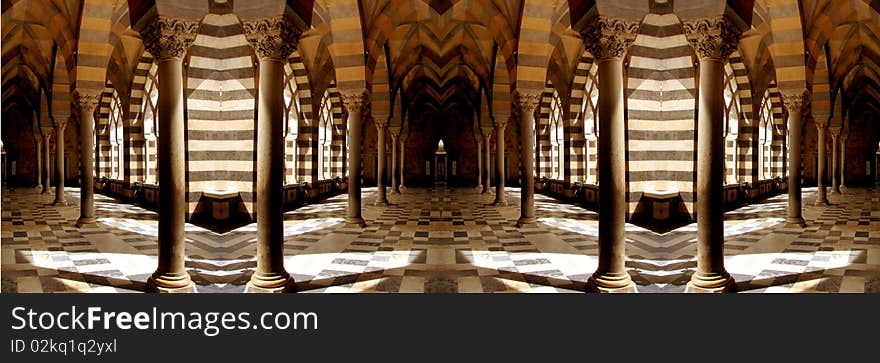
(527, 101)
(355, 101)
(714, 38)
(168, 38)
(272, 38)
(794, 102)
(87, 103)
(610, 38)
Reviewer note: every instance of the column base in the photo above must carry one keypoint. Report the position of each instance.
(402, 187)
(798, 221)
(822, 203)
(842, 188)
(274, 284)
(395, 192)
(527, 222)
(355, 222)
(712, 284)
(85, 220)
(609, 284)
(381, 203)
(61, 203)
(479, 187)
(170, 284)
(39, 188)
(500, 203)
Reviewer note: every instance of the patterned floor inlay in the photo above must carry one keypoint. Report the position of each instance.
(440, 241)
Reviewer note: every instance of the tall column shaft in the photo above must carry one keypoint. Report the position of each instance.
(608, 40)
(821, 195)
(45, 167)
(167, 40)
(794, 103)
(395, 187)
(528, 103)
(354, 103)
(381, 196)
(59, 162)
(402, 162)
(842, 186)
(40, 163)
(835, 158)
(87, 105)
(500, 198)
(480, 163)
(487, 173)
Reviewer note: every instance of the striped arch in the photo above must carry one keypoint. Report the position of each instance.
(102, 133)
(61, 90)
(501, 86)
(347, 46)
(138, 157)
(534, 45)
(337, 144)
(787, 47)
(747, 135)
(543, 146)
(777, 148)
(581, 166)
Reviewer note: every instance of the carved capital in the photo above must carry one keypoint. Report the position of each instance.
(499, 124)
(608, 38)
(834, 131)
(272, 38)
(87, 103)
(355, 101)
(380, 122)
(714, 38)
(794, 102)
(167, 38)
(527, 101)
(394, 131)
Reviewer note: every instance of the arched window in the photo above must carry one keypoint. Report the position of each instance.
(731, 130)
(591, 128)
(117, 145)
(765, 136)
(325, 136)
(557, 142)
(291, 122)
(151, 126)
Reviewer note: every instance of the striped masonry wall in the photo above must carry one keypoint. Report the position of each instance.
(135, 138)
(543, 165)
(102, 134)
(221, 115)
(661, 104)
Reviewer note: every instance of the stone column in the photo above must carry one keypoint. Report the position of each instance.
(87, 103)
(168, 39)
(381, 127)
(607, 40)
(821, 195)
(835, 158)
(395, 135)
(59, 161)
(500, 199)
(713, 39)
(479, 139)
(47, 136)
(273, 40)
(487, 152)
(528, 103)
(39, 163)
(403, 138)
(354, 102)
(843, 136)
(794, 103)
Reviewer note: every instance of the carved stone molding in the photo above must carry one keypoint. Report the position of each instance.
(794, 101)
(607, 38)
(355, 102)
(86, 102)
(167, 38)
(394, 131)
(714, 38)
(380, 122)
(834, 131)
(527, 101)
(59, 122)
(272, 38)
(499, 123)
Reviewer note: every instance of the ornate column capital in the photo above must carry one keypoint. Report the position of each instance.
(394, 131)
(59, 122)
(354, 101)
(607, 38)
(272, 38)
(487, 131)
(380, 122)
(794, 101)
(87, 103)
(834, 131)
(167, 38)
(527, 101)
(821, 124)
(713, 38)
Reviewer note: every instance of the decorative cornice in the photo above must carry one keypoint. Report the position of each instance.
(713, 38)
(86, 103)
(607, 38)
(167, 38)
(355, 101)
(272, 38)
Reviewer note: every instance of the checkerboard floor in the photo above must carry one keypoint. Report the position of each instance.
(440, 241)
